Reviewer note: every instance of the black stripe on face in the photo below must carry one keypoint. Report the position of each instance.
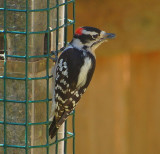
(86, 38)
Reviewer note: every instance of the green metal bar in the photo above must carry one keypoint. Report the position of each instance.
(5, 70)
(14, 101)
(15, 146)
(16, 32)
(30, 57)
(17, 56)
(73, 116)
(23, 124)
(63, 139)
(74, 17)
(29, 101)
(57, 45)
(36, 78)
(40, 101)
(70, 22)
(36, 146)
(15, 78)
(73, 128)
(26, 80)
(40, 78)
(47, 74)
(65, 43)
(65, 22)
(16, 10)
(40, 146)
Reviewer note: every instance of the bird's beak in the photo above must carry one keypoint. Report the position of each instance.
(105, 36)
(109, 36)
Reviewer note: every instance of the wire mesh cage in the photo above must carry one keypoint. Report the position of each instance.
(29, 30)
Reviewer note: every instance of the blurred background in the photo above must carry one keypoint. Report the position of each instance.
(120, 112)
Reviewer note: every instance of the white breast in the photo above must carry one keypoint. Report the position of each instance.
(83, 72)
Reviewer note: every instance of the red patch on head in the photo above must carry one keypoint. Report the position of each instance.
(79, 31)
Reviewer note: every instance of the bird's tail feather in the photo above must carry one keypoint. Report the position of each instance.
(53, 129)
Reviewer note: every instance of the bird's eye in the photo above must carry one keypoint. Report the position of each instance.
(94, 36)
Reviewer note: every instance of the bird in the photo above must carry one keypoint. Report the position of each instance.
(73, 72)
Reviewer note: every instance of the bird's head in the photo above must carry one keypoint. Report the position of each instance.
(90, 38)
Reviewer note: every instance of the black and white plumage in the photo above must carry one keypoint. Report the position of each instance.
(73, 72)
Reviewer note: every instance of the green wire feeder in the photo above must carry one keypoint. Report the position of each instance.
(25, 77)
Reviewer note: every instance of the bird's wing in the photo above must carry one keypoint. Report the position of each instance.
(67, 94)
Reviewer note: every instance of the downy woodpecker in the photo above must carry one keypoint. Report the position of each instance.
(73, 72)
